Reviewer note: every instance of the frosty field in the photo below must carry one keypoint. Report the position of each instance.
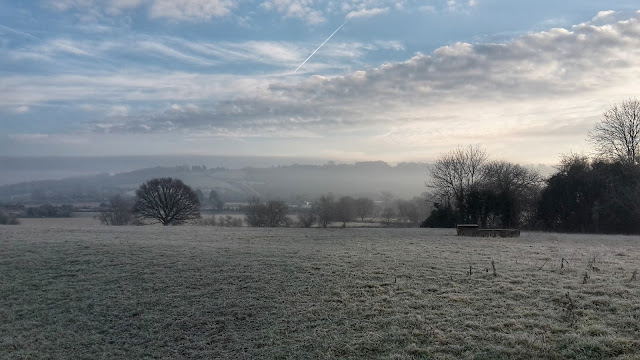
(75, 289)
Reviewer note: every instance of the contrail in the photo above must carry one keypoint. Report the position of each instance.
(6, 28)
(316, 50)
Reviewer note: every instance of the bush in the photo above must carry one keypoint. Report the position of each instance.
(306, 219)
(207, 221)
(272, 214)
(230, 221)
(8, 219)
(227, 221)
(118, 212)
(50, 211)
(441, 217)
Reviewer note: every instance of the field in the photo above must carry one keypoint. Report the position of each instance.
(71, 288)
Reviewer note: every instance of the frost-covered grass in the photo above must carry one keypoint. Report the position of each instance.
(70, 288)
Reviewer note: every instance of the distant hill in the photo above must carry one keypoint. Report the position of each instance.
(290, 183)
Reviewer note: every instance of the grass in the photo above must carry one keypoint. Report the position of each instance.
(70, 288)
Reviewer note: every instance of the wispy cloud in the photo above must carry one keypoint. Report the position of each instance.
(463, 91)
(177, 10)
(301, 9)
(6, 29)
(191, 9)
(163, 50)
(365, 13)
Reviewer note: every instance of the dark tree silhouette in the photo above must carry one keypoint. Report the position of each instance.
(455, 173)
(592, 196)
(617, 136)
(167, 200)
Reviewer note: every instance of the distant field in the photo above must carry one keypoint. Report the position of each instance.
(71, 288)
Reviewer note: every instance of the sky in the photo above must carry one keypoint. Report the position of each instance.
(397, 81)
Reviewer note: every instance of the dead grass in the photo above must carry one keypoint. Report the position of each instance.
(73, 289)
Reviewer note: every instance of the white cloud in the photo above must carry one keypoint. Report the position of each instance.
(191, 9)
(485, 93)
(365, 13)
(507, 93)
(603, 15)
(179, 10)
(166, 51)
(301, 9)
(119, 110)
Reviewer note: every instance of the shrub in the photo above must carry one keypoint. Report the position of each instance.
(8, 218)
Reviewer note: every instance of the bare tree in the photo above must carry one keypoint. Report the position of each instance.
(516, 190)
(364, 207)
(167, 200)
(277, 213)
(456, 172)
(118, 213)
(255, 212)
(272, 214)
(200, 196)
(503, 175)
(307, 219)
(324, 208)
(345, 210)
(388, 214)
(216, 202)
(617, 135)
(408, 211)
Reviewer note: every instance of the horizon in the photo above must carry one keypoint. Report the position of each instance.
(401, 81)
(19, 169)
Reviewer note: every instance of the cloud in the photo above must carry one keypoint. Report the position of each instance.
(187, 10)
(365, 13)
(203, 53)
(559, 79)
(604, 15)
(460, 5)
(163, 50)
(110, 6)
(37, 138)
(300, 9)
(178, 10)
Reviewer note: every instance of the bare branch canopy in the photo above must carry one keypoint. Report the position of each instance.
(166, 200)
(617, 136)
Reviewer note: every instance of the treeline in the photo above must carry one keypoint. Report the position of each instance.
(328, 209)
(9, 214)
(469, 188)
(48, 211)
(597, 195)
(172, 202)
(584, 195)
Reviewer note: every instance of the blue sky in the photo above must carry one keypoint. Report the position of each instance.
(402, 80)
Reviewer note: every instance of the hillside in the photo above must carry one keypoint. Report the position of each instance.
(289, 183)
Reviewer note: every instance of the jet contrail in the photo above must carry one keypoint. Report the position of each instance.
(316, 50)
(18, 32)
